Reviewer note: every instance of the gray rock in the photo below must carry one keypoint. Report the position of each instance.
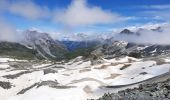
(154, 91)
(47, 71)
(168, 96)
(166, 99)
(5, 85)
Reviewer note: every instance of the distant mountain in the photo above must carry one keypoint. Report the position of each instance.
(117, 48)
(34, 45)
(122, 48)
(74, 45)
(79, 37)
(126, 31)
(158, 29)
(37, 44)
(44, 44)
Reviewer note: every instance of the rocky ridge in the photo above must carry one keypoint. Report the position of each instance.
(154, 91)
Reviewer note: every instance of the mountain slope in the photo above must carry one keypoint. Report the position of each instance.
(44, 45)
(126, 31)
(74, 45)
(17, 50)
(122, 48)
(114, 47)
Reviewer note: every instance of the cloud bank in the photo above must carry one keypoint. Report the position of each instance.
(7, 32)
(79, 13)
(148, 36)
(29, 10)
(25, 8)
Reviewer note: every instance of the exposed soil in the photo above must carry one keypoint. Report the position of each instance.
(112, 76)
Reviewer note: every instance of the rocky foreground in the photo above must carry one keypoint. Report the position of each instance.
(153, 91)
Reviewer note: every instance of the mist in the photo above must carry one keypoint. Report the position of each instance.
(77, 14)
(8, 32)
(148, 36)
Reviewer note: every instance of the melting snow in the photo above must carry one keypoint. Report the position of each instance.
(85, 80)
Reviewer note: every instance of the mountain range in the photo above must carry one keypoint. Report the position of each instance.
(35, 45)
(81, 69)
(41, 45)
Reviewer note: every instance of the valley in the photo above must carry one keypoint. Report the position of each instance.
(42, 68)
(84, 50)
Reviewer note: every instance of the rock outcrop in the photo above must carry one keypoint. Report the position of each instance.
(154, 91)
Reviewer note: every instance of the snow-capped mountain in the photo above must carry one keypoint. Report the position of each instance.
(114, 47)
(105, 44)
(34, 44)
(82, 41)
(126, 31)
(122, 65)
(101, 36)
(44, 44)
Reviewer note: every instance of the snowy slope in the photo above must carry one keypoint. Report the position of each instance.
(76, 79)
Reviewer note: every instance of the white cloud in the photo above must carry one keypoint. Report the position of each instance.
(149, 36)
(26, 9)
(29, 9)
(79, 13)
(158, 14)
(3, 5)
(167, 6)
(8, 32)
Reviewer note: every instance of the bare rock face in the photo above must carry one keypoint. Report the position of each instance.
(44, 44)
(34, 45)
(126, 31)
(47, 71)
(5, 85)
(168, 96)
(154, 91)
(113, 49)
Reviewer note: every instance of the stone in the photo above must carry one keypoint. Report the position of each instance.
(168, 96)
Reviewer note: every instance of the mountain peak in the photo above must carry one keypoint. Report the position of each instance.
(126, 31)
(44, 44)
(159, 29)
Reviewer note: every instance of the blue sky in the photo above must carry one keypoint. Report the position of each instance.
(106, 4)
(82, 15)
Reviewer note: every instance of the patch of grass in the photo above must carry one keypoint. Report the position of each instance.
(85, 52)
(15, 50)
